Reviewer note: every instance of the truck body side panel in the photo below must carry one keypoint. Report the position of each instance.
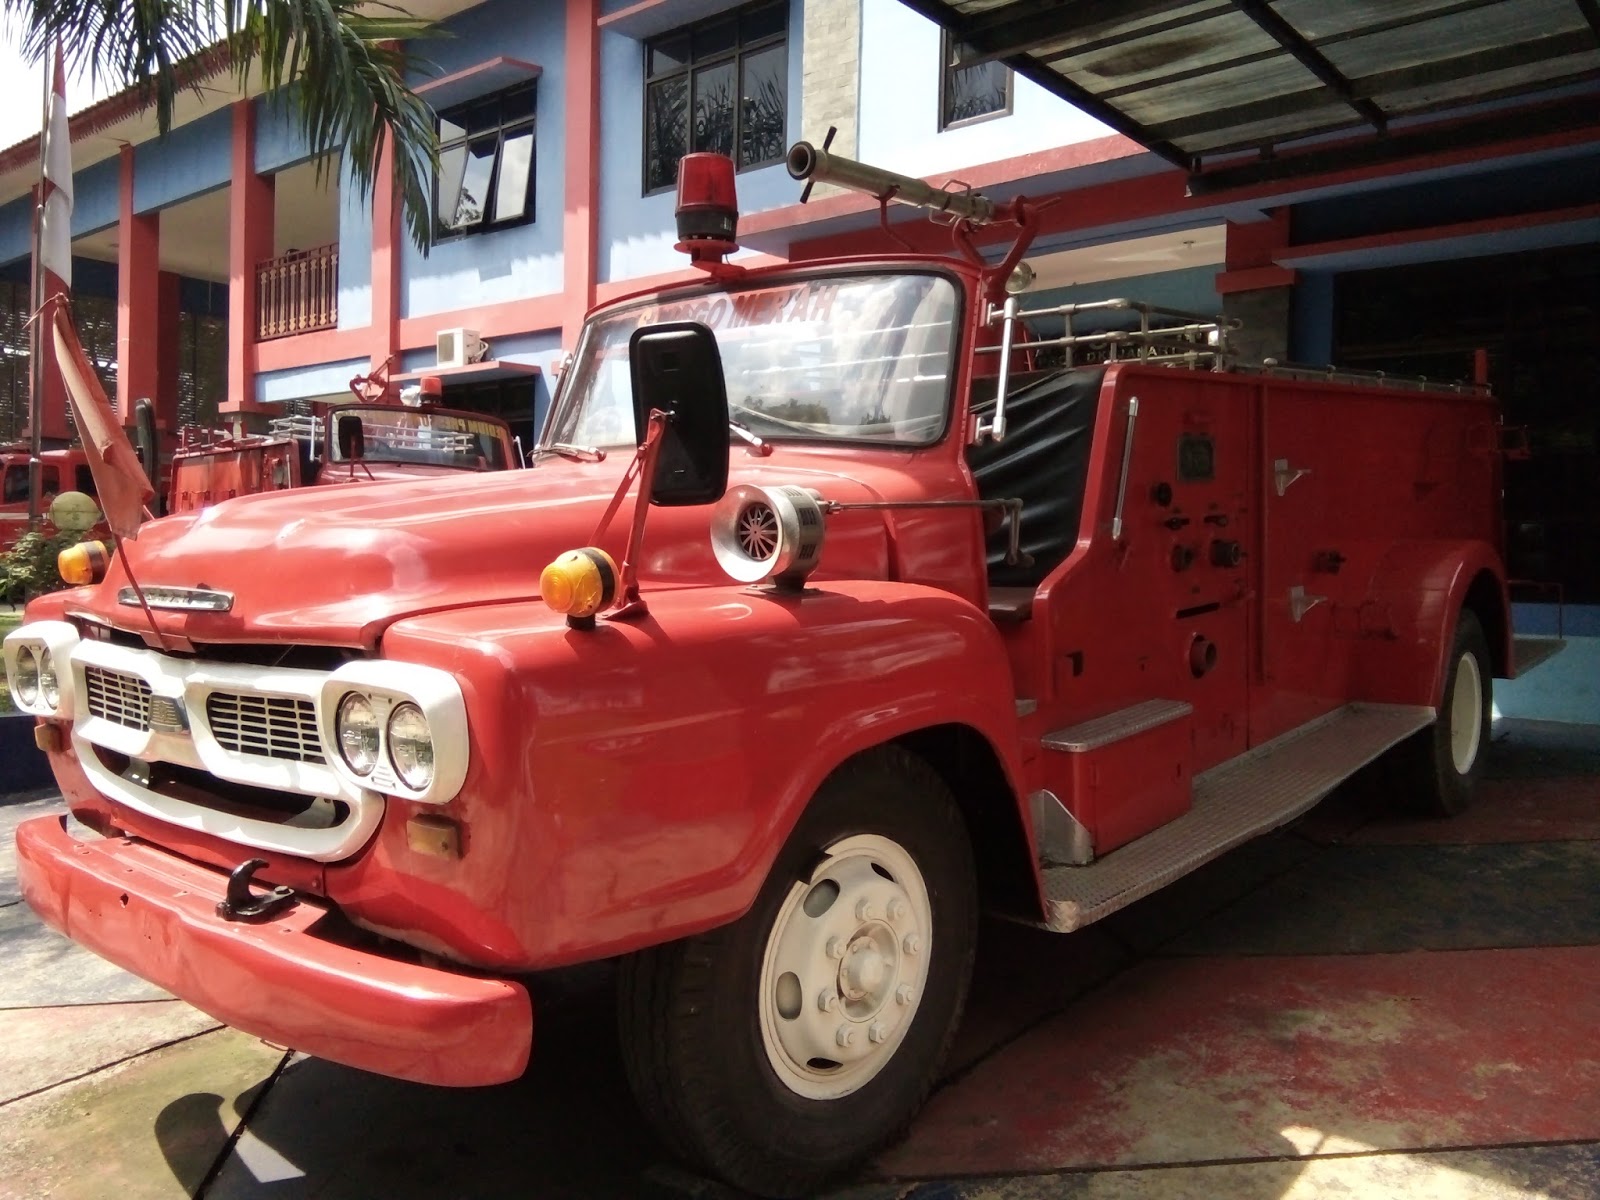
(632, 783)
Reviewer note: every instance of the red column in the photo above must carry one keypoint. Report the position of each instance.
(1256, 291)
(170, 308)
(386, 251)
(581, 224)
(138, 298)
(249, 242)
(1251, 252)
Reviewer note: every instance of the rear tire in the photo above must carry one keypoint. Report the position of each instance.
(1442, 764)
(784, 1048)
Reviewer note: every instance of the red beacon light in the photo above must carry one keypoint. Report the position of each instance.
(708, 208)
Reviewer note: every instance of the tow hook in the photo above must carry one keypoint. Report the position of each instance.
(241, 904)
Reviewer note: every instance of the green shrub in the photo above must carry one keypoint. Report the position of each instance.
(28, 569)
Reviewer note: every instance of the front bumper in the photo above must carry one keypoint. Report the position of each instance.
(154, 914)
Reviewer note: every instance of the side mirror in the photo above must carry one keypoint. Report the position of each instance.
(677, 368)
(144, 438)
(352, 441)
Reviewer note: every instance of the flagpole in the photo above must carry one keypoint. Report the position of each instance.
(36, 291)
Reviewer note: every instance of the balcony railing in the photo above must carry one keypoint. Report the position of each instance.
(297, 292)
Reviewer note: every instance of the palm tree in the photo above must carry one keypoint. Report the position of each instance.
(345, 61)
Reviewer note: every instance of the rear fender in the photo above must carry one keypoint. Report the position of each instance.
(1410, 618)
(633, 783)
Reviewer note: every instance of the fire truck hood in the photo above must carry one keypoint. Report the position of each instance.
(335, 566)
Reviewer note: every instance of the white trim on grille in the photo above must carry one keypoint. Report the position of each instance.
(192, 683)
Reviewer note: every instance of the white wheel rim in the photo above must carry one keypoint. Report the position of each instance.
(1466, 714)
(845, 968)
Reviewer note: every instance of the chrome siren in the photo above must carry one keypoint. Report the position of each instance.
(768, 533)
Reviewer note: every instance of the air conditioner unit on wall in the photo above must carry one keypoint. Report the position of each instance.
(458, 347)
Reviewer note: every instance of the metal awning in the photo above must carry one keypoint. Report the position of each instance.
(1221, 87)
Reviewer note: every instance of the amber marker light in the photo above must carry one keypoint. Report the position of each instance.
(579, 584)
(84, 563)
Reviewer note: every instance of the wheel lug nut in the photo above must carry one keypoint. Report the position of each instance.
(902, 994)
(864, 910)
(877, 1033)
(836, 947)
(846, 1036)
(897, 910)
(827, 1000)
(912, 943)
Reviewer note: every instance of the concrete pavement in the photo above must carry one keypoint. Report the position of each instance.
(1361, 1006)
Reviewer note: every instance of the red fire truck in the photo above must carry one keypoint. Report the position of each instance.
(869, 604)
(377, 438)
(61, 470)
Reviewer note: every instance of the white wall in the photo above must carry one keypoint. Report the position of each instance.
(899, 118)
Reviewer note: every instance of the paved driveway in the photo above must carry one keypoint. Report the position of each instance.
(1359, 1006)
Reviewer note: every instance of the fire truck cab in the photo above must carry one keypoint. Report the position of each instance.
(61, 470)
(858, 618)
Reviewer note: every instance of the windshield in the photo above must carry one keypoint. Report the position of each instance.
(429, 437)
(864, 358)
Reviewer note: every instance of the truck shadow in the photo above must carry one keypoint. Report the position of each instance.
(569, 1127)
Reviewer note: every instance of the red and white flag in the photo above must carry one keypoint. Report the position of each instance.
(119, 479)
(55, 233)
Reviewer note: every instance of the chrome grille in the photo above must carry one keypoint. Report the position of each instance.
(119, 697)
(265, 726)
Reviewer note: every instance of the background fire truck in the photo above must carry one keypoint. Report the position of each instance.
(901, 621)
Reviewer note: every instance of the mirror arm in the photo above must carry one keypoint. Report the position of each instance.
(629, 602)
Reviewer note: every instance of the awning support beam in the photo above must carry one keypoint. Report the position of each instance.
(1311, 59)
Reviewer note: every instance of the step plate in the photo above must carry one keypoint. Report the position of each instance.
(1234, 802)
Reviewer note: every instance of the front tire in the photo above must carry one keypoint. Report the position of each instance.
(1443, 763)
(784, 1048)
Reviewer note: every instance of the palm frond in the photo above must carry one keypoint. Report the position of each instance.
(347, 67)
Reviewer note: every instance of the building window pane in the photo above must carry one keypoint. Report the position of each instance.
(473, 198)
(452, 164)
(666, 131)
(761, 131)
(713, 108)
(971, 93)
(763, 21)
(516, 163)
(486, 156)
(720, 85)
(670, 53)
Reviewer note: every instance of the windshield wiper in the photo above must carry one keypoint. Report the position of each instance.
(571, 453)
(760, 445)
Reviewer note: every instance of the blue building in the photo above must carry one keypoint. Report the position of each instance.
(225, 270)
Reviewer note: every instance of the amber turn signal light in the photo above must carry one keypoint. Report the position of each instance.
(579, 583)
(84, 563)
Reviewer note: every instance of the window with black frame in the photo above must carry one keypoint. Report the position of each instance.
(721, 85)
(486, 169)
(968, 94)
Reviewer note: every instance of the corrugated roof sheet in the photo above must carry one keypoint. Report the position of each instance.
(1198, 79)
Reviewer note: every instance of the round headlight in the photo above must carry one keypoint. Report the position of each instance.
(411, 746)
(49, 686)
(358, 733)
(25, 683)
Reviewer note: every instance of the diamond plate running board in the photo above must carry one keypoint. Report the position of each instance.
(1234, 802)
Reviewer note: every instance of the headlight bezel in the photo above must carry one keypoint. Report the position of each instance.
(387, 685)
(48, 646)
